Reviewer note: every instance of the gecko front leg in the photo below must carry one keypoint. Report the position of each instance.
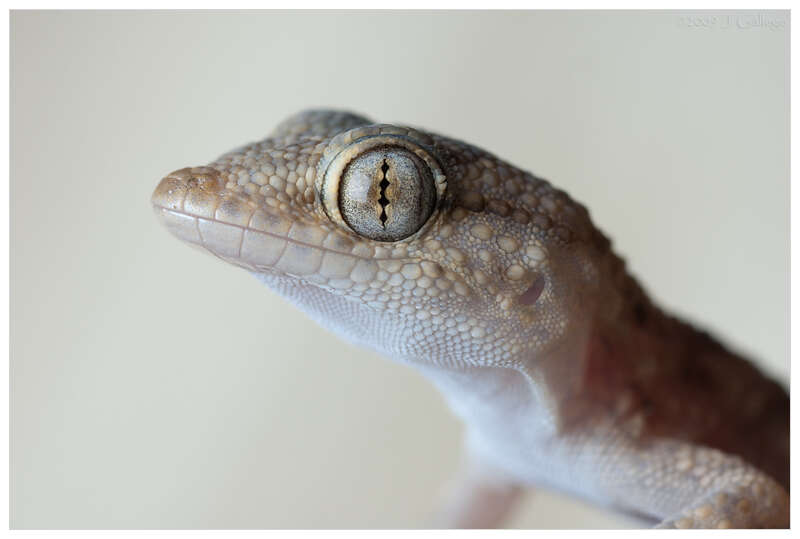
(717, 490)
(479, 496)
(691, 486)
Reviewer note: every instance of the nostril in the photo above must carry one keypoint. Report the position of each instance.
(205, 178)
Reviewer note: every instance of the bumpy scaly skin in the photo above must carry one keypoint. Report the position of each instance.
(514, 305)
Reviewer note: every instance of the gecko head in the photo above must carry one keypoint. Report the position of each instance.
(422, 246)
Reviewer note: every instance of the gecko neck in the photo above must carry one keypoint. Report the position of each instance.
(543, 395)
(527, 398)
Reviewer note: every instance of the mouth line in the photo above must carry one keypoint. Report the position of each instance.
(270, 234)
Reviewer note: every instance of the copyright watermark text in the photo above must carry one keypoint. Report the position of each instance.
(733, 21)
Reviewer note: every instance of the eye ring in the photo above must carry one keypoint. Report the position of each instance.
(381, 182)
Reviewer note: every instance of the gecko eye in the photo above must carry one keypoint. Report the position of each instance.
(386, 194)
(383, 187)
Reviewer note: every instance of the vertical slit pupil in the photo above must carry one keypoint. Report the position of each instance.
(383, 201)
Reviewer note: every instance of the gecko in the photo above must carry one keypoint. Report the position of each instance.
(498, 288)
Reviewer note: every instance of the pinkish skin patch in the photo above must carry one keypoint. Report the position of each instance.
(533, 292)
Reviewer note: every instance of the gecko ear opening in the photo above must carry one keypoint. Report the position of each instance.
(533, 292)
(381, 182)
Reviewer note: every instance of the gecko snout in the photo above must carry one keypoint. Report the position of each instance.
(186, 195)
(196, 187)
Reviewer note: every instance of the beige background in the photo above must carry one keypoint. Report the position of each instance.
(155, 387)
